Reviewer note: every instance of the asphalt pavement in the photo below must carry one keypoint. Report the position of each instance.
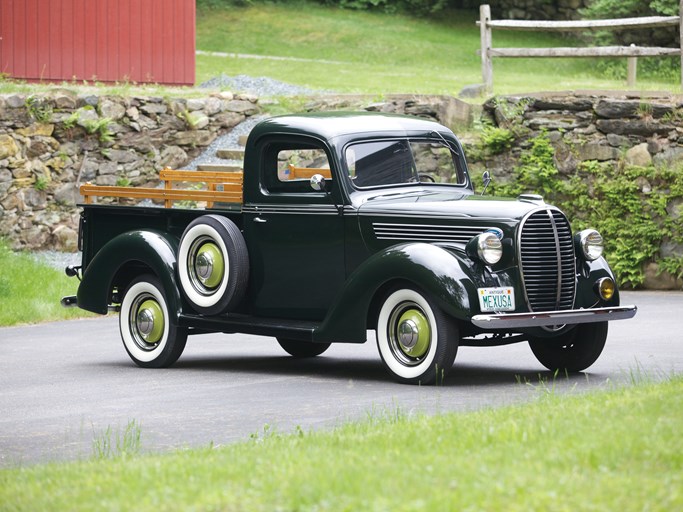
(64, 384)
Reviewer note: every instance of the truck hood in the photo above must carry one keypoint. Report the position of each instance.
(426, 216)
(448, 205)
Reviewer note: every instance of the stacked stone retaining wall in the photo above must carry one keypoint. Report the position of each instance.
(52, 143)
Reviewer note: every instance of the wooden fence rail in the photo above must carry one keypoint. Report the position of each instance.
(486, 25)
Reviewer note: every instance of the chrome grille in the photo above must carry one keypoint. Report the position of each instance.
(547, 260)
(426, 233)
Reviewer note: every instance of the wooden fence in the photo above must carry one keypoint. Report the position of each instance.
(486, 25)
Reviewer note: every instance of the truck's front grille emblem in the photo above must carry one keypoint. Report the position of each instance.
(547, 261)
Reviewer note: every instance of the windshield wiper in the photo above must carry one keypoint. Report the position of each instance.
(445, 142)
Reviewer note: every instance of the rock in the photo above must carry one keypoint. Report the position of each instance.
(572, 104)
(68, 195)
(669, 157)
(194, 138)
(65, 239)
(633, 127)
(228, 119)
(618, 141)
(43, 129)
(173, 157)
(154, 108)
(226, 95)
(654, 280)
(34, 199)
(198, 120)
(564, 158)
(22, 171)
(595, 151)
(5, 176)
(242, 107)
(86, 116)
(65, 101)
(122, 156)
(91, 100)
(35, 237)
(472, 91)
(213, 106)
(195, 104)
(37, 148)
(619, 109)
(88, 171)
(8, 146)
(108, 180)
(638, 156)
(112, 109)
(133, 113)
(16, 101)
(107, 168)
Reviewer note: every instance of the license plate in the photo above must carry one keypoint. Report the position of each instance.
(496, 299)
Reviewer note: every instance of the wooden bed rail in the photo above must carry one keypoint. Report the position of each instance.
(229, 182)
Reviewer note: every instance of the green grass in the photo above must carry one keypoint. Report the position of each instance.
(30, 291)
(615, 450)
(379, 53)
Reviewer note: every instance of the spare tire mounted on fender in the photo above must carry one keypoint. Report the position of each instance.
(213, 264)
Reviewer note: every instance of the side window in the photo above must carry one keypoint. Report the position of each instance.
(289, 167)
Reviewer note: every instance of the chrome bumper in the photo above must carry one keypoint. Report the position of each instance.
(570, 317)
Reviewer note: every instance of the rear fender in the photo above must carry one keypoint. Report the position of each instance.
(125, 257)
(432, 269)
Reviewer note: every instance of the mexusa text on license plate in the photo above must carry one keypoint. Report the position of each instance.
(496, 299)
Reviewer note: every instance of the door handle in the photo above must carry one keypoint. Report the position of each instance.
(260, 220)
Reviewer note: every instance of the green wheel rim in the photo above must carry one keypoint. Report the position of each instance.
(209, 266)
(414, 333)
(150, 321)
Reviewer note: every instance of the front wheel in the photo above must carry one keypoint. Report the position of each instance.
(416, 340)
(302, 348)
(149, 336)
(573, 351)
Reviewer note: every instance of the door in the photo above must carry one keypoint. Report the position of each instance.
(294, 234)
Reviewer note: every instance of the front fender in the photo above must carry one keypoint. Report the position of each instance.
(145, 251)
(436, 271)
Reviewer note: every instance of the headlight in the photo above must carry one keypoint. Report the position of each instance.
(487, 247)
(590, 243)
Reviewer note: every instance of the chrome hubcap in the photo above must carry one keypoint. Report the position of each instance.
(409, 333)
(147, 322)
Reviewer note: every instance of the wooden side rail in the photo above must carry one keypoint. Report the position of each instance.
(231, 184)
(301, 173)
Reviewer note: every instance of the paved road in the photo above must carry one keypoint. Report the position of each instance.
(63, 384)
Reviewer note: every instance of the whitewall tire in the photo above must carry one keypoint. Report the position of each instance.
(213, 265)
(148, 335)
(416, 340)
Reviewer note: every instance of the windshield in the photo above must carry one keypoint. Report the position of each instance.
(398, 162)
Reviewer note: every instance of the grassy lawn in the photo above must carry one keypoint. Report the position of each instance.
(613, 450)
(379, 54)
(30, 292)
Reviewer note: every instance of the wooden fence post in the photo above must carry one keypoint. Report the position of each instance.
(632, 69)
(485, 31)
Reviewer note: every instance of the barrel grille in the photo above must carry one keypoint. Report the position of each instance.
(548, 263)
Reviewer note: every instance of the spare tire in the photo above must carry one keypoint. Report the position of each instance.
(213, 265)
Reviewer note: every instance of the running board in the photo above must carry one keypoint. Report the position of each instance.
(299, 330)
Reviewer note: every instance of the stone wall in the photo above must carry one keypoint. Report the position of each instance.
(612, 129)
(50, 144)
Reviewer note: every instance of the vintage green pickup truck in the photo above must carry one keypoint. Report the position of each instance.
(343, 223)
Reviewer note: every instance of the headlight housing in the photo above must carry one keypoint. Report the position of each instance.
(590, 244)
(486, 247)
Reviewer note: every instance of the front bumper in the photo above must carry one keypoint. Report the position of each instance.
(549, 318)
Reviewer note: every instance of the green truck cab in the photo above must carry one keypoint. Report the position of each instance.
(344, 223)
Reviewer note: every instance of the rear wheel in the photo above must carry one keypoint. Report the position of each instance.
(573, 351)
(213, 264)
(148, 335)
(302, 348)
(416, 340)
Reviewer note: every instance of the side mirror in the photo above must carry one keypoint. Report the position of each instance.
(487, 179)
(318, 183)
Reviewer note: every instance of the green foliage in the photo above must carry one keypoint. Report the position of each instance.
(610, 199)
(618, 449)
(41, 183)
(99, 127)
(116, 444)
(70, 122)
(415, 7)
(122, 181)
(495, 139)
(629, 8)
(39, 109)
(30, 291)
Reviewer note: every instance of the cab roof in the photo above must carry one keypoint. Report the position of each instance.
(330, 125)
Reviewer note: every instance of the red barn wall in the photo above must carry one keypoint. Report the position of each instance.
(101, 40)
